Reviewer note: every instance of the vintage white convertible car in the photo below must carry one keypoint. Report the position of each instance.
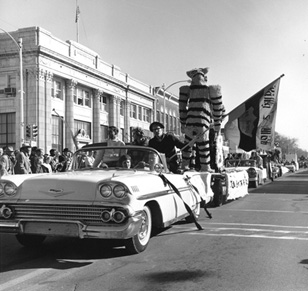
(116, 199)
(256, 175)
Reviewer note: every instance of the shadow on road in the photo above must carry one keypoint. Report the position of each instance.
(282, 187)
(63, 253)
(176, 276)
(291, 183)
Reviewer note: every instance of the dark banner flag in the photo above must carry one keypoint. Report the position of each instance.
(251, 125)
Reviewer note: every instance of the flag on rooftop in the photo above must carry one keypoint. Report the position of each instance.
(77, 14)
(251, 125)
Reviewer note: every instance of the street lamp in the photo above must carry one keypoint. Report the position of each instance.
(164, 88)
(21, 99)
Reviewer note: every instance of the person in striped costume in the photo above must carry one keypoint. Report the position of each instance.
(200, 106)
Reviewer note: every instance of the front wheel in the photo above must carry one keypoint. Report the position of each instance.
(30, 240)
(140, 241)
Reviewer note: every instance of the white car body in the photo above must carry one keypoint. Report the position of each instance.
(256, 175)
(105, 203)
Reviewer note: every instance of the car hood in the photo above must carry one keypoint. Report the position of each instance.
(79, 186)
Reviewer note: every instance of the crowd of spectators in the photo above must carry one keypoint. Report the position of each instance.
(32, 160)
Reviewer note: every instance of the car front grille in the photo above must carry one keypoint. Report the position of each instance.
(89, 215)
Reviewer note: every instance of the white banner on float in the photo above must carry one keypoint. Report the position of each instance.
(237, 184)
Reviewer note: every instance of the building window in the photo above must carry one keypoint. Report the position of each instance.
(75, 95)
(87, 100)
(57, 133)
(8, 85)
(82, 98)
(146, 114)
(133, 111)
(139, 112)
(122, 106)
(2, 82)
(103, 103)
(11, 81)
(7, 130)
(56, 89)
(158, 116)
(78, 124)
(79, 97)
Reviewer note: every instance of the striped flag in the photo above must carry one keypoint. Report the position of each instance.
(251, 125)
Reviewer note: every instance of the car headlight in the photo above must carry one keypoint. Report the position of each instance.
(106, 216)
(10, 189)
(105, 190)
(113, 215)
(113, 189)
(118, 216)
(7, 189)
(119, 191)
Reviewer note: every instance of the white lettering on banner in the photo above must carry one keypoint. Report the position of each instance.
(268, 102)
(268, 106)
(237, 184)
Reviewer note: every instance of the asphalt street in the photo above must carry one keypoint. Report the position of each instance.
(255, 243)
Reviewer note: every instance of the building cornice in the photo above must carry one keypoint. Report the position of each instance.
(43, 51)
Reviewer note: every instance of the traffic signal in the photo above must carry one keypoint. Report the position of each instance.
(28, 131)
(34, 130)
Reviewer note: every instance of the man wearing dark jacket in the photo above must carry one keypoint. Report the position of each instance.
(165, 143)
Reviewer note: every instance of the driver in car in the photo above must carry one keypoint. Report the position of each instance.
(125, 161)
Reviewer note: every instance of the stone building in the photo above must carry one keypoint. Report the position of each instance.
(68, 90)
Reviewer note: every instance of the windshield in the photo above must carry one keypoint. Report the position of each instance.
(124, 157)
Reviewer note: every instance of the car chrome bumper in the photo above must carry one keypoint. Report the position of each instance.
(72, 228)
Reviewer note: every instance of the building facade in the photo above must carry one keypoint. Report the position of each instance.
(69, 91)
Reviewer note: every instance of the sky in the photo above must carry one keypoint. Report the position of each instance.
(246, 44)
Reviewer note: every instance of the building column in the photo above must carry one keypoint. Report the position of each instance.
(96, 115)
(153, 116)
(113, 111)
(48, 112)
(69, 114)
(127, 119)
(37, 108)
(118, 114)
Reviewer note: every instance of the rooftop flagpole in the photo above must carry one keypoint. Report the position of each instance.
(77, 20)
